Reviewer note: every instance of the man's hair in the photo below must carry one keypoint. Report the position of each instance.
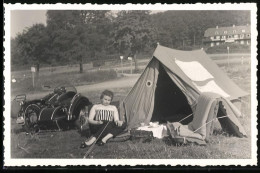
(107, 93)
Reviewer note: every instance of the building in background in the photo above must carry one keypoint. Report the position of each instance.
(222, 35)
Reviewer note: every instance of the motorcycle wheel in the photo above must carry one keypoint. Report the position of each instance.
(31, 118)
(81, 120)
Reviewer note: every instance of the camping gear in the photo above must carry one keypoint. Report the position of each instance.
(170, 85)
(124, 136)
(141, 135)
(210, 107)
(180, 134)
(158, 131)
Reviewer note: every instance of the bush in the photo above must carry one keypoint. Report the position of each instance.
(98, 63)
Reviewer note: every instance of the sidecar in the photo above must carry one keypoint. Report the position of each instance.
(59, 110)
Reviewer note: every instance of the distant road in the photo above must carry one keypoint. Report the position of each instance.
(232, 61)
(48, 71)
(124, 82)
(231, 54)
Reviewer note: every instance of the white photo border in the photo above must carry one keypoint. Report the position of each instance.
(8, 161)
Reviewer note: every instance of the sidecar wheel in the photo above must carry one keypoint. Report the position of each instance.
(31, 117)
(81, 121)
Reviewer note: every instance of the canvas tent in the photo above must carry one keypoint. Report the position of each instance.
(170, 85)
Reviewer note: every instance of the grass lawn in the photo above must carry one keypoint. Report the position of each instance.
(66, 144)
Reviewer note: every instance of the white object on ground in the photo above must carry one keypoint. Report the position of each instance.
(159, 132)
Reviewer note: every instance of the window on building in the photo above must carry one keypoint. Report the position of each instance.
(243, 30)
(230, 36)
(242, 42)
(211, 38)
(217, 43)
(242, 36)
(236, 36)
(218, 37)
(216, 33)
(248, 35)
(223, 36)
(234, 31)
(225, 32)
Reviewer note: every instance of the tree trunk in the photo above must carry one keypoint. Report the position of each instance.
(37, 73)
(80, 66)
(194, 40)
(37, 67)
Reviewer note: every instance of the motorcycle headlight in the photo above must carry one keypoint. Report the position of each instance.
(21, 103)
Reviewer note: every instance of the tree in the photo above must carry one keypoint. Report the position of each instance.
(133, 32)
(31, 46)
(179, 29)
(78, 35)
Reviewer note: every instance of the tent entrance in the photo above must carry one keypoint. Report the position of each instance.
(170, 103)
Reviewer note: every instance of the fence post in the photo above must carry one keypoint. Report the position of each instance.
(130, 59)
(33, 70)
(228, 55)
(121, 58)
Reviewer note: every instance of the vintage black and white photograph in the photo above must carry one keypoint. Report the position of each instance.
(130, 84)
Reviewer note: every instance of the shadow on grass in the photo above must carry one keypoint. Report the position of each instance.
(18, 130)
(170, 142)
(217, 132)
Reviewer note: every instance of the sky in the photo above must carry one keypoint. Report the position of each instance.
(20, 19)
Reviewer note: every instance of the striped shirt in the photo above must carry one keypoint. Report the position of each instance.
(105, 113)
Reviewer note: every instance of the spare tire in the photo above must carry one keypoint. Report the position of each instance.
(31, 117)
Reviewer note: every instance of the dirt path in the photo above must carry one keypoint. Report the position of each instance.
(123, 82)
(118, 83)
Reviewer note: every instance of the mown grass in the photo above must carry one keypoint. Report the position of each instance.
(66, 144)
(51, 145)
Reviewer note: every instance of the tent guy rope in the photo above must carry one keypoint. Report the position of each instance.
(209, 122)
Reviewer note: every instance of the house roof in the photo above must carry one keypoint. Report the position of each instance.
(227, 30)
